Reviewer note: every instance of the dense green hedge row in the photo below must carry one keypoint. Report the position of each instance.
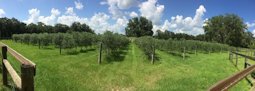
(60, 40)
(149, 44)
(190, 45)
(112, 42)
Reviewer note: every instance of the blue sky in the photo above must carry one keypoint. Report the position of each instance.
(185, 16)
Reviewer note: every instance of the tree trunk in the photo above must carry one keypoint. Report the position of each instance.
(100, 54)
(183, 54)
(60, 47)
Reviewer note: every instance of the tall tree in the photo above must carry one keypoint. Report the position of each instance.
(228, 28)
(139, 26)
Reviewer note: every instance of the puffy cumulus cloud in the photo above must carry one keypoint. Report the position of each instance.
(151, 10)
(78, 5)
(2, 13)
(250, 25)
(69, 19)
(133, 14)
(100, 23)
(121, 4)
(50, 20)
(120, 25)
(70, 11)
(33, 16)
(253, 32)
(189, 25)
(116, 6)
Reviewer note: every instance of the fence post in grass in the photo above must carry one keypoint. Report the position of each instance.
(152, 55)
(4, 70)
(196, 50)
(245, 62)
(229, 56)
(100, 53)
(236, 56)
(183, 54)
(27, 77)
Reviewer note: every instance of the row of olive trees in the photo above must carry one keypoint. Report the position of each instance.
(60, 40)
(192, 46)
(149, 44)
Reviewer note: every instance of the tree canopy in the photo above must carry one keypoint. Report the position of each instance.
(139, 26)
(227, 29)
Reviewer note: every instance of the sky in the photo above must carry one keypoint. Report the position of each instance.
(179, 16)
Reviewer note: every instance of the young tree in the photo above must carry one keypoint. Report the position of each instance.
(58, 40)
(68, 41)
(228, 28)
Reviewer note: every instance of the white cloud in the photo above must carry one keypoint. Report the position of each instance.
(116, 6)
(78, 5)
(133, 14)
(249, 25)
(55, 12)
(151, 10)
(120, 25)
(189, 25)
(33, 16)
(50, 20)
(69, 19)
(253, 32)
(69, 11)
(2, 13)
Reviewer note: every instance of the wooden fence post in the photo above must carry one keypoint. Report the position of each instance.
(152, 55)
(100, 53)
(27, 77)
(4, 70)
(236, 57)
(183, 54)
(245, 62)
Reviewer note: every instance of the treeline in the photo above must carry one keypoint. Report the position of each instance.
(14, 26)
(149, 44)
(226, 29)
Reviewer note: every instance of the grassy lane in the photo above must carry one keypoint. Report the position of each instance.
(132, 72)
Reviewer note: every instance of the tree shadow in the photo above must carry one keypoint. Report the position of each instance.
(116, 56)
(87, 50)
(177, 54)
(72, 52)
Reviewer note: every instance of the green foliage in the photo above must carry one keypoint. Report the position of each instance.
(147, 44)
(113, 41)
(171, 45)
(58, 39)
(229, 29)
(45, 39)
(68, 41)
(34, 39)
(139, 26)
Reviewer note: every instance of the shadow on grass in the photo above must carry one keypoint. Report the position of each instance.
(177, 54)
(116, 56)
(86, 50)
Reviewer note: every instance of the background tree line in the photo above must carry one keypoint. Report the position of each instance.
(14, 26)
(226, 29)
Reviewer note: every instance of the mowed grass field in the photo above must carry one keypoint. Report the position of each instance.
(132, 72)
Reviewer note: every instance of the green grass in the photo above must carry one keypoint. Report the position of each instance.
(134, 72)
